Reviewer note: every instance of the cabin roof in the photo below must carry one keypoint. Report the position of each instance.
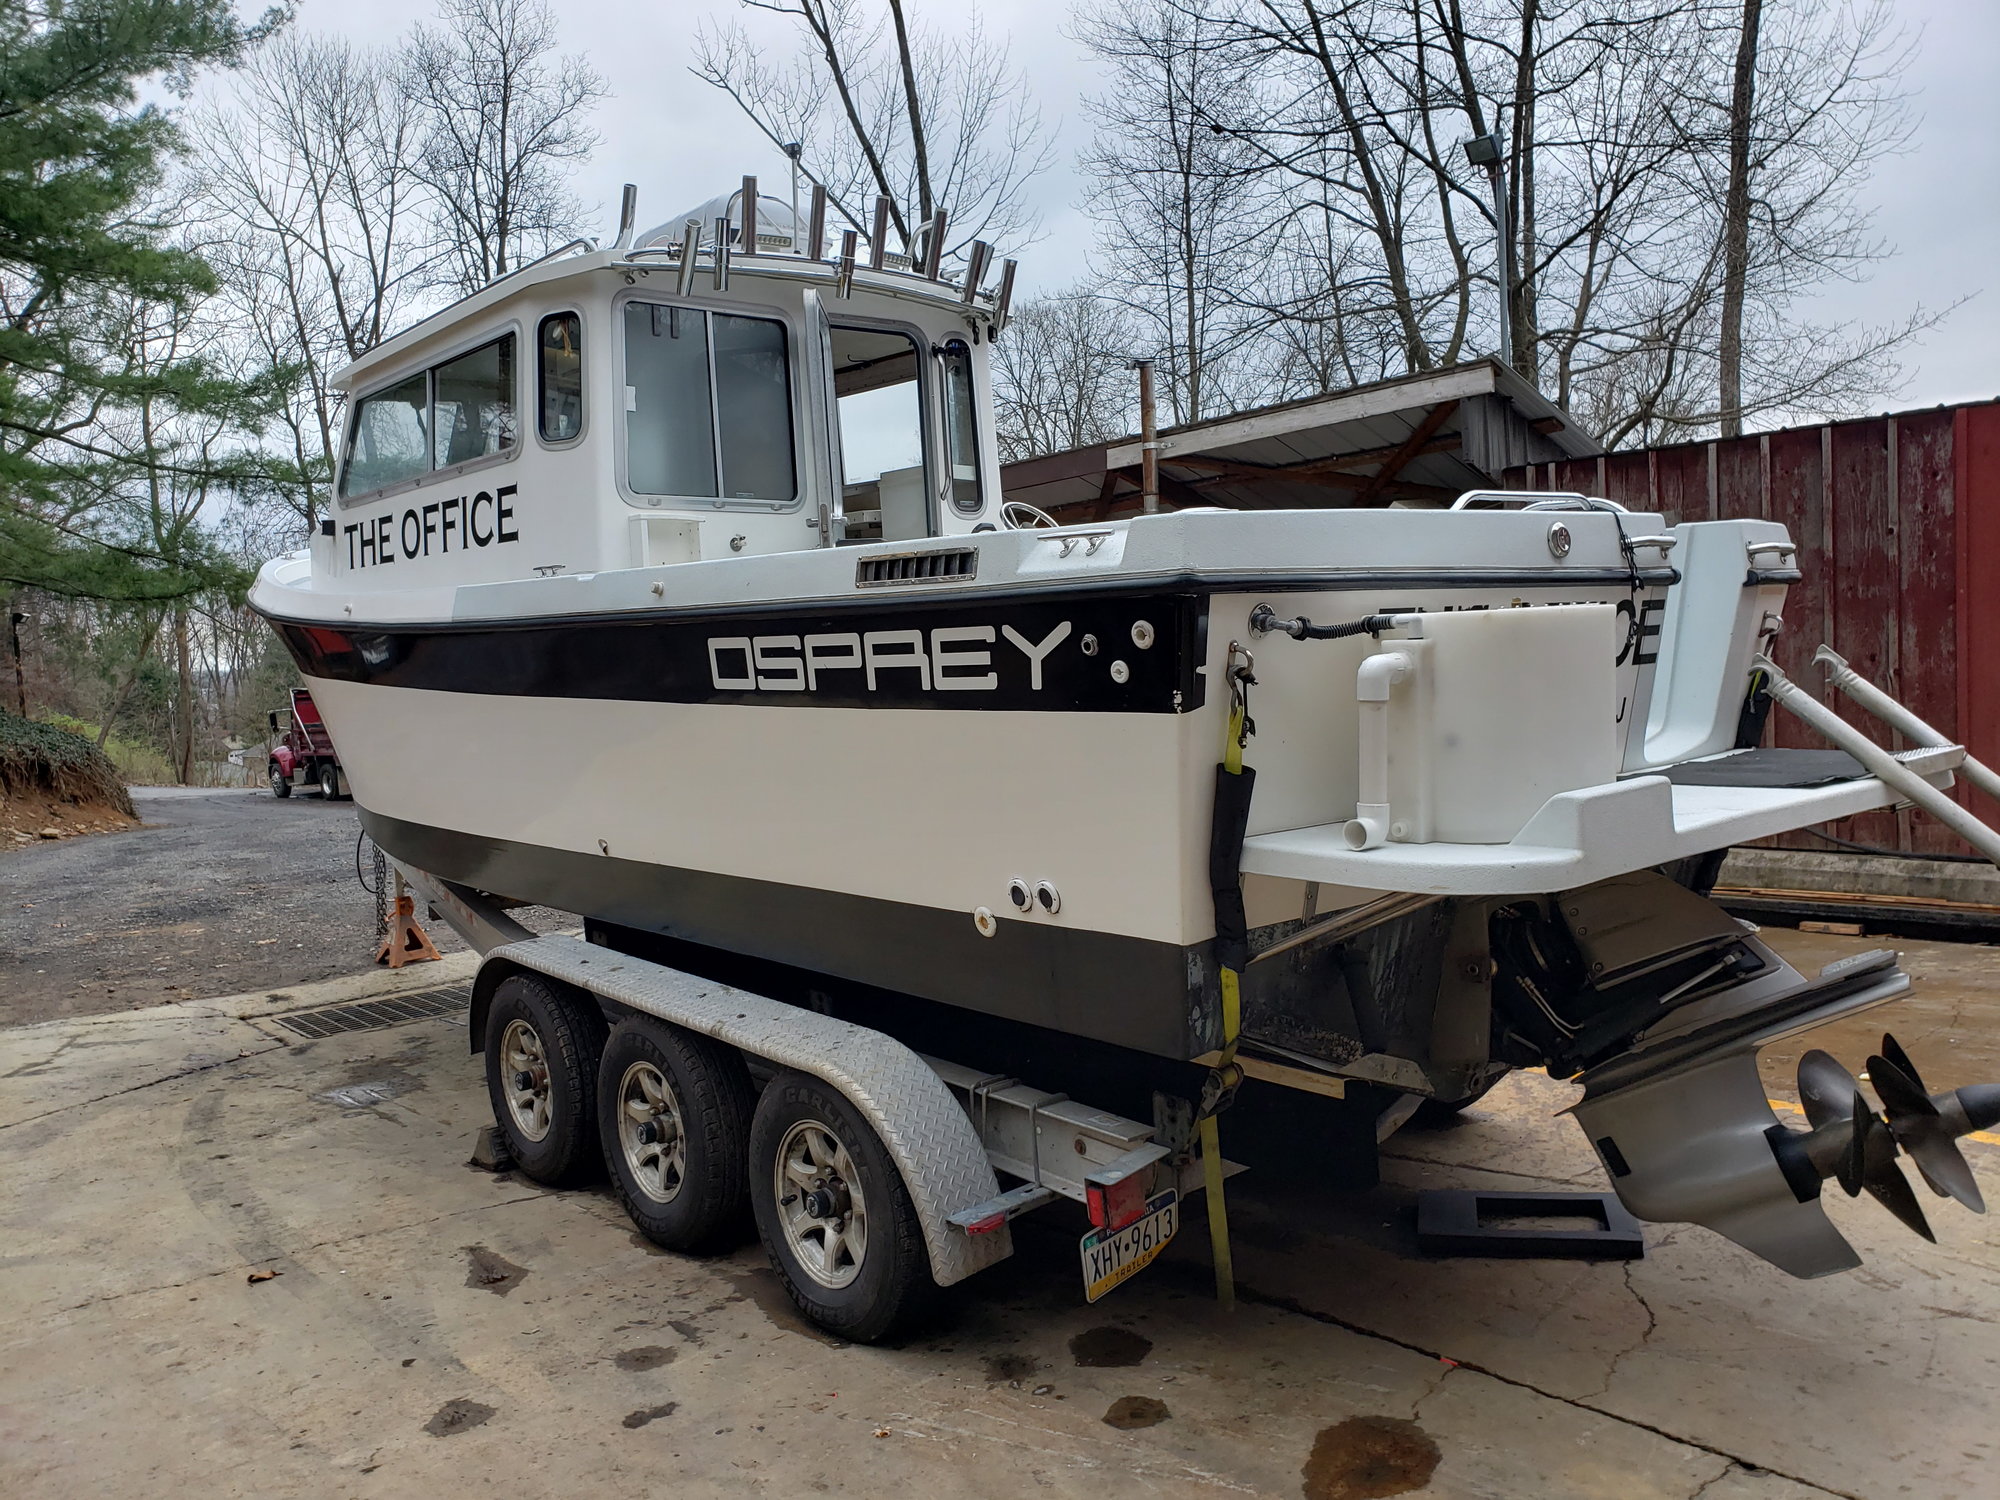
(1424, 438)
(581, 259)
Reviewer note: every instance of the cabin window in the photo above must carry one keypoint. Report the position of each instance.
(387, 443)
(472, 404)
(708, 405)
(559, 352)
(453, 413)
(961, 426)
(876, 389)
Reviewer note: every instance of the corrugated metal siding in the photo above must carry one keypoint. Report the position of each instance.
(1898, 524)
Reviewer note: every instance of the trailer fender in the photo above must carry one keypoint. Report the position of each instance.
(925, 1130)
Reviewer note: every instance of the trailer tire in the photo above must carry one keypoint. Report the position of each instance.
(682, 1172)
(868, 1287)
(551, 1037)
(329, 781)
(281, 784)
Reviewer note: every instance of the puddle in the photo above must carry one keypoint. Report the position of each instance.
(1129, 1412)
(492, 1272)
(761, 1287)
(1366, 1457)
(646, 1357)
(1110, 1348)
(649, 1414)
(458, 1416)
(1010, 1367)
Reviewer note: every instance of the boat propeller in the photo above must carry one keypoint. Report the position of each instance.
(1858, 1147)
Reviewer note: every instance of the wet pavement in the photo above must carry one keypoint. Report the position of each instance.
(433, 1329)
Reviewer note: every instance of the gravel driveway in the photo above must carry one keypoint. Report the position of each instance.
(220, 892)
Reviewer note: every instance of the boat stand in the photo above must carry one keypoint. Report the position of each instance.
(405, 942)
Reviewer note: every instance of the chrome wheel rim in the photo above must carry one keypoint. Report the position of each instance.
(651, 1132)
(524, 1074)
(820, 1206)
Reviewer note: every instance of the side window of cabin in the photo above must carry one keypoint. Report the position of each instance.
(875, 387)
(387, 442)
(669, 424)
(472, 404)
(453, 413)
(961, 426)
(753, 409)
(708, 405)
(559, 352)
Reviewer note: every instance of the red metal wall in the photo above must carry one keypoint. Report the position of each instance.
(1898, 524)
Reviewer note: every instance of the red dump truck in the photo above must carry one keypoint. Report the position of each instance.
(302, 752)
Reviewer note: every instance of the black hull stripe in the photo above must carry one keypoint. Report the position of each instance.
(1132, 992)
(1124, 654)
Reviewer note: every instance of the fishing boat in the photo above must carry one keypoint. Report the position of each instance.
(671, 583)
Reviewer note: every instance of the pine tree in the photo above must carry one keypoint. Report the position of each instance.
(84, 258)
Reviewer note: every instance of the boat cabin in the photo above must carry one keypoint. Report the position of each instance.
(723, 385)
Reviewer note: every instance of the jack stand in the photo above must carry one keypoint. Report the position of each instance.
(406, 942)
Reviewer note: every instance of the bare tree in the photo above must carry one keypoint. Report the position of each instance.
(1062, 375)
(879, 107)
(1181, 210)
(307, 179)
(502, 116)
(1656, 226)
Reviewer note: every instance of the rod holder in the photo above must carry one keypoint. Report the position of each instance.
(843, 279)
(980, 258)
(878, 238)
(934, 246)
(628, 215)
(1003, 300)
(690, 248)
(816, 232)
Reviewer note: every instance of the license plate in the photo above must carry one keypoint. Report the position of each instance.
(1114, 1256)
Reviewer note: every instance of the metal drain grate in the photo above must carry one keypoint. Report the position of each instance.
(368, 1015)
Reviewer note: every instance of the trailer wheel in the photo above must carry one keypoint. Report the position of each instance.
(673, 1111)
(834, 1215)
(542, 1048)
(329, 781)
(281, 784)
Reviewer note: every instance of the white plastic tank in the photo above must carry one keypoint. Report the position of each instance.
(1499, 710)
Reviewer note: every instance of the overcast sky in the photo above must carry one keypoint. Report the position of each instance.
(683, 143)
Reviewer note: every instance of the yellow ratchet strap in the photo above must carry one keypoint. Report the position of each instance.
(1225, 1075)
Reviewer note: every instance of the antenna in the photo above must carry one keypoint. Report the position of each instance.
(749, 239)
(628, 215)
(793, 150)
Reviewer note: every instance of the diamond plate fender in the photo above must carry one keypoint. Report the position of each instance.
(944, 1166)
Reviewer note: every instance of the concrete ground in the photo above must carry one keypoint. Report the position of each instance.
(436, 1330)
